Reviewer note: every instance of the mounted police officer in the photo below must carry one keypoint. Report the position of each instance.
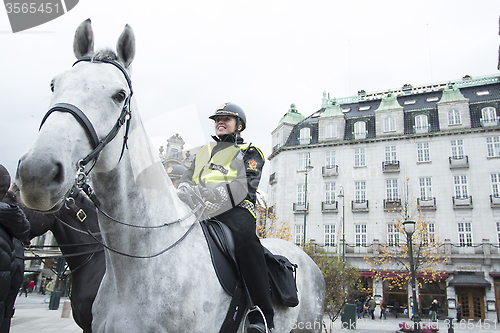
(227, 175)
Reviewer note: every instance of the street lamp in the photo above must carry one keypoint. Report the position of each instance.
(341, 195)
(410, 229)
(308, 167)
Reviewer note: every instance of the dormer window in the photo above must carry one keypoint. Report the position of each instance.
(421, 124)
(305, 136)
(360, 130)
(489, 116)
(331, 131)
(389, 124)
(454, 117)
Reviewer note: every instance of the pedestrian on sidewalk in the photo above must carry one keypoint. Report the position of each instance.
(434, 310)
(48, 290)
(371, 307)
(383, 308)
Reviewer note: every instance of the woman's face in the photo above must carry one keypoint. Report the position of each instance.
(225, 125)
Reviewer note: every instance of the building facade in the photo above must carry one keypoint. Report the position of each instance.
(437, 147)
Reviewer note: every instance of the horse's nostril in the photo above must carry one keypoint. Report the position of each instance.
(59, 173)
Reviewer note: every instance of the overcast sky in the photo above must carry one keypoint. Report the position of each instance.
(263, 55)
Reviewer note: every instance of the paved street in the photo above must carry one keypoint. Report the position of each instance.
(34, 317)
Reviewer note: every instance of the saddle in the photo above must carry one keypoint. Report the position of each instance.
(222, 251)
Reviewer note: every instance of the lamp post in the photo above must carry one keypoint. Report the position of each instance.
(308, 167)
(410, 229)
(341, 195)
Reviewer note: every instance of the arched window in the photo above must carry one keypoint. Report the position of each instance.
(360, 130)
(421, 124)
(454, 117)
(174, 153)
(305, 136)
(489, 116)
(389, 124)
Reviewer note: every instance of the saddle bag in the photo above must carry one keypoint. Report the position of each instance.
(282, 280)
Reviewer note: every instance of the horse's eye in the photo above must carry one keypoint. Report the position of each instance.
(120, 97)
(52, 85)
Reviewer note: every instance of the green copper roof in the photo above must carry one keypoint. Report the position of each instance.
(332, 110)
(291, 117)
(389, 103)
(452, 94)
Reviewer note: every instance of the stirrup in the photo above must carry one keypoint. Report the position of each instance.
(255, 308)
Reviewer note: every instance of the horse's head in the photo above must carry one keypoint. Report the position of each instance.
(99, 88)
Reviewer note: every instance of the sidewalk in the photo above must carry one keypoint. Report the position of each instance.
(32, 316)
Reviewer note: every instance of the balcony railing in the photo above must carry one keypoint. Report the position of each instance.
(421, 129)
(273, 178)
(359, 206)
(495, 201)
(462, 202)
(459, 162)
(489, 122)
(330, 207)
(300, 207)
(390, 166)
(330, 170)
(392, 204)
(427, 204)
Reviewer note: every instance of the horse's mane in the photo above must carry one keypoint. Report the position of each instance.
(103, 54)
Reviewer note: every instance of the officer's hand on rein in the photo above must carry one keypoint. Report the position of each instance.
(184, 192)
(210, 195)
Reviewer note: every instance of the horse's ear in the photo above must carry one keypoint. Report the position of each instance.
(84, 39)
(125, 46)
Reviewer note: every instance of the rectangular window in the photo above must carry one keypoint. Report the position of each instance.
(425, 185)
(301, 194)
(360, 191)
(392, 234)
(330, 158)
(305, 136)
(392, 189)
(329, 235)
(331, 131)
(429, 236)
(359, 157)
(457, 149)
(390, 154)
(495, 184)
(360, 130)
(454, 117)
(303, 159)
(498, 232)
(460, 183)
(423, 154)
(493, 146)
(330, 193)
(465, 233)
(360, 233)
(299, 234)
(389, 124)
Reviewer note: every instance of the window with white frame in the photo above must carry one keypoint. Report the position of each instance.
(329, 193)
(331, 131)
(360, 130)
(425, 184)
(465, 233)
(329, 235)
(460, 183)
(299, 234)
(360, 234)
(423, 152)
(330, 158)
(392, 234)
(305, 136)
(390, 154)
(360, 191)
(493, 146)
(301, 194)
(421, 123)
(454, 117)
(457, 148)
(495, 184)
(429, 235)
(489, 115)
(359, 157)
(392, 189)
(498, 232)
(389, 124)
(303, 160)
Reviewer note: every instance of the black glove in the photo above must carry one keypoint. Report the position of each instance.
(185, 191)
(210, 195)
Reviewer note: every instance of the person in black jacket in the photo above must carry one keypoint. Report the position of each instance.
(227, 175)
(14, 229)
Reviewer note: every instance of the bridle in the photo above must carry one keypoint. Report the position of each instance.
(82, 179)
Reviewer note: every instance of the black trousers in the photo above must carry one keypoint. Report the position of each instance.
(251, 261)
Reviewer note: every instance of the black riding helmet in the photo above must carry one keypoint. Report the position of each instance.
(176, 171)
(231, 109)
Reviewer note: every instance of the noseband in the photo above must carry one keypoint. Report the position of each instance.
(82, 119)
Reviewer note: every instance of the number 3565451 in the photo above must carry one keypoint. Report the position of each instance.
(25, 7)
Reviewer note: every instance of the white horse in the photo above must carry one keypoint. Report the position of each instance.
(176, 291)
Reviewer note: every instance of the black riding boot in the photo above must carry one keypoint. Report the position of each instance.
(254, 270)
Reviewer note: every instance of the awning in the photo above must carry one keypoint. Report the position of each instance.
(466, 280)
